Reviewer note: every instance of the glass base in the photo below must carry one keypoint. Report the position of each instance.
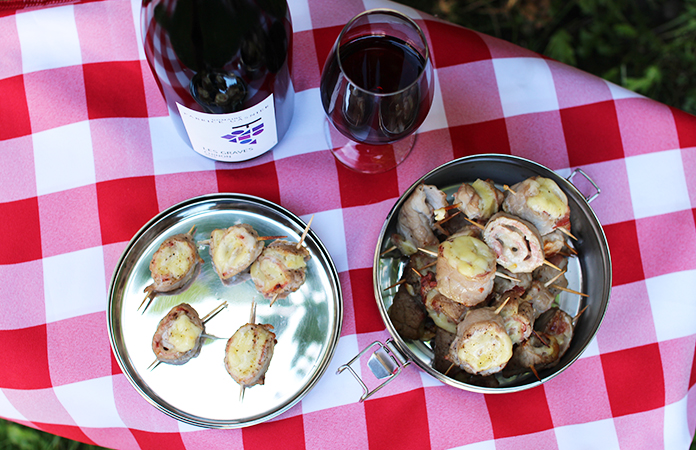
(365, 158)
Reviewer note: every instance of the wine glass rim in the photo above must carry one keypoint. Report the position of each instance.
(390, 12)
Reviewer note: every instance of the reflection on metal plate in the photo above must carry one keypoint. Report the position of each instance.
(307, 323)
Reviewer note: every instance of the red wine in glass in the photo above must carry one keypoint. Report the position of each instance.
(376, 89)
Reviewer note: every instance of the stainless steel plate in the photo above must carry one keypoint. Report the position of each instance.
(589, 272)
(307, 323)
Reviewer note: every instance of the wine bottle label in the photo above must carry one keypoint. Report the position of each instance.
(234, 136)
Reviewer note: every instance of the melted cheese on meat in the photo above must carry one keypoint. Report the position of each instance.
(547, 199)
(174, 260)
(485, 350)
(487, 203)
(469, 255)
(230, 248)
(250, 347)
(183, 334)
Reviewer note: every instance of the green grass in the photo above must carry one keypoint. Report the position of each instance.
(18, 437)
(647, 46)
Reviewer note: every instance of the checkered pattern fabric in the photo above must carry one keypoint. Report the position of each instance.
(89, 155)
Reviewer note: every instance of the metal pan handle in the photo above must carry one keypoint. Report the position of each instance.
(385, 363)
(587, 177)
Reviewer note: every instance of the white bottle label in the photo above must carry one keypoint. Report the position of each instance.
(234, 136)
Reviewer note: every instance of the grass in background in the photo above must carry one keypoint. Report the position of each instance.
(18, 437)
(647, 46)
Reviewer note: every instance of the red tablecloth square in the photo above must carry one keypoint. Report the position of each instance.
(24, 373)
(248, 181)
(20, 230)
(483, 137)
(367, 317)
(530, 413)
(686, 128)
(281, 434)
(125, 205)
(115, 89)
(592, 133)
(359, 189)
(452, 45)
(634, 379)
(399, 421)
(169, 441)
(324, 39)
(60, 235)
(51, 108)
(14, 112)
(627, 266)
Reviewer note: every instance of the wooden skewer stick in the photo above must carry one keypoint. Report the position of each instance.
(578, 314)
(252, 319)
(546, 344)
(571, 250)
(509, 189)
(448, 369)
(428, 252)
(534, 371)
(442, 230)
(268, 238)
(440, 222)
(393, 247)
(567, 233)
(304, 233)
(559, 275)
(500, 308)
(561, 288)
(190, 232)
(273, 300)
(550, 264)
(473, 222)
(417, 272)
(395, 285)
(507, 277)
(427, 266)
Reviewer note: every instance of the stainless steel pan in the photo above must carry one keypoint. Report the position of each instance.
(589, 272)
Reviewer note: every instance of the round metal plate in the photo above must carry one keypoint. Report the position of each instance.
(307, 323)
(589, 273)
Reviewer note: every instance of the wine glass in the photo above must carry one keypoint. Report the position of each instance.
(376, 89)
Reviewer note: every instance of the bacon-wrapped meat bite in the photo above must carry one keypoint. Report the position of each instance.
(248, 353)
(407, 313)
(537, 352)
(539, 297)
(557, 323)
(174, 264)
(553, 242)
(416, 218)
(179, 335)
(482, 346)
(234, 249)
(540, 201)
(547, 273)
(511, 280)
(517, 315)
(445, 313)
(479, 200)
(465, 270)
(280, 269)
(516, 243)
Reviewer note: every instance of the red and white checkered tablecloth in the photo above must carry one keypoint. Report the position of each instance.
(89, 155)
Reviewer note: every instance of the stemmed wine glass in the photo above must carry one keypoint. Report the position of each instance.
(376, 89)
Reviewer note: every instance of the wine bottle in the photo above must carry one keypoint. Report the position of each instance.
(223, 67)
